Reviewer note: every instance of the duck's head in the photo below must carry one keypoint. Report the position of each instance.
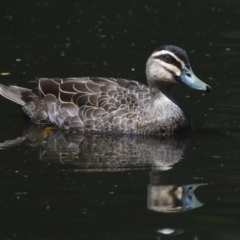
(169, 64)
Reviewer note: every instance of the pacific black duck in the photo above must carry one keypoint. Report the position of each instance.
(95, 104)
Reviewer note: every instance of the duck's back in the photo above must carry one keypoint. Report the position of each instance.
(88, 104)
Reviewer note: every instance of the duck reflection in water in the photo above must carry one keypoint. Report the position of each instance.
(118, 153)
(103, 152)
(171, 198)
(90, 153)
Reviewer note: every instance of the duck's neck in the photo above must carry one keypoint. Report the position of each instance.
(162, 105)
(159, 91)
(164, 115)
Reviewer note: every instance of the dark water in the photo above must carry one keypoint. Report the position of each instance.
(56, 185)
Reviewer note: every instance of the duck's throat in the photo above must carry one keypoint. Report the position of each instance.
(159, 89)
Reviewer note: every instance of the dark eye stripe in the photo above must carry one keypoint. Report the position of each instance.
(173, 62)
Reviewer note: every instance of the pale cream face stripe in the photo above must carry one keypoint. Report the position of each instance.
(163, 52)
(171, 67)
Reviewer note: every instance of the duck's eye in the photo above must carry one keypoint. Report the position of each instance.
(168, 59)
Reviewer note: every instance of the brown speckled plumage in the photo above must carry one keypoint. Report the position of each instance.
(122, 106)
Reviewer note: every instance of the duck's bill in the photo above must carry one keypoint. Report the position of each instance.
(192, 81)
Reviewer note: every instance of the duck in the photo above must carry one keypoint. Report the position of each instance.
(114, 105)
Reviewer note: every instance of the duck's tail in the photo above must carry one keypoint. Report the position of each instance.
(14, 93)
